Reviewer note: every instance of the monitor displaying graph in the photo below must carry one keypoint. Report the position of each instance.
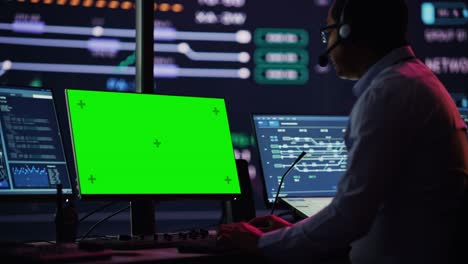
(281, 139)
(32, 159)
(133, 144)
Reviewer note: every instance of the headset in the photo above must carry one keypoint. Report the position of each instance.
(344, 32)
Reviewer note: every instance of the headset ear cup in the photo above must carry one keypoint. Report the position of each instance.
(344, 31)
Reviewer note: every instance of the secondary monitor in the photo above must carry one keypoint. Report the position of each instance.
(134, 145)
(280, 140)
(32, 159)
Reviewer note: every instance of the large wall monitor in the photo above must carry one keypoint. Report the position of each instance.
(32, 160)
(260, 56)
(242, 50)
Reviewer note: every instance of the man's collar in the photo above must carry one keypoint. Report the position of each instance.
(391, 58)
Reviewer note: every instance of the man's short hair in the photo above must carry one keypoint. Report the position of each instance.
(380, 23)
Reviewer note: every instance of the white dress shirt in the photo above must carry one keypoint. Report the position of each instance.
(397, 201)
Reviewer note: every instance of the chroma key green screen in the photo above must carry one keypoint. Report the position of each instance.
(148, 144)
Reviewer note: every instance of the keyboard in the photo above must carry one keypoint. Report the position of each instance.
(159, 240)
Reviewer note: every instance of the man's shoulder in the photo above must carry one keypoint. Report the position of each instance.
(403, 79)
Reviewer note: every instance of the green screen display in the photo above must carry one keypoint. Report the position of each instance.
(148, 144)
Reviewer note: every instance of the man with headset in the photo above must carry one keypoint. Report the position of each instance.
(399, 199)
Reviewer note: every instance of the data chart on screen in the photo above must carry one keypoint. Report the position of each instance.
(280, 140)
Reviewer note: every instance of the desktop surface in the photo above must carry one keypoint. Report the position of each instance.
(42, 252)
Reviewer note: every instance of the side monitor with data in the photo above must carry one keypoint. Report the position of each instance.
(280, 140)
(32, 159)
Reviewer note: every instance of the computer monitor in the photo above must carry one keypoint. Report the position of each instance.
(32, 158)
(280, 138)
(133, 145)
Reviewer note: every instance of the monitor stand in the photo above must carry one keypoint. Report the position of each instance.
(142, 210)
(142, 218)
(143, 235)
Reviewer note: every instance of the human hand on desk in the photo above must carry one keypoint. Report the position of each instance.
(245, 235)
(269, 223)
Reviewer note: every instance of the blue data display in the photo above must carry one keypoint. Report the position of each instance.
(281, 138)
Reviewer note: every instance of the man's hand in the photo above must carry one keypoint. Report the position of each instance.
(240, 235)
(269, 223)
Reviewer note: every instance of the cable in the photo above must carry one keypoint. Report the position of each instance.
(95, 210)
(102, 220)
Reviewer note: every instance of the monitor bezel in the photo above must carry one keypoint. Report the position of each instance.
(52, 196)
(268, 204)
(155, 197)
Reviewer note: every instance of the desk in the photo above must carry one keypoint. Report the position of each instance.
(162, 255)
(107, 256)
(171, 255)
